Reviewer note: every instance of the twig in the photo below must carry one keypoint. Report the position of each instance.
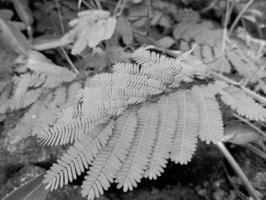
(238, 192)
(85, 3)
(239, 16)
(119, 8)
(255, 150)
(227, 14)
(223, 78)
(99, 6)
(238, 170)
(69, 61)
(259, 98)
(60, 16)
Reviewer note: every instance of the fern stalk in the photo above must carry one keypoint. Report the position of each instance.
(238, 170)
(239, 16)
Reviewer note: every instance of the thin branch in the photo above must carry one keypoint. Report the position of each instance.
(255, 150)
(60, 16)
(223, 78)
(239, 16)
(99, 6)
(256, 96)
(238, 170)
(85, 3)
(69, 61)
(227, 14)
(119, 8)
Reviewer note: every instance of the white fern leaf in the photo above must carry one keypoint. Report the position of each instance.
(159, 72)
(211, 124)
(70, 131)
(185, 64)
(133, 168)
(244, 105)
(184, 143)
(167, 106)
(78, 157)
(110, 159)
(122, 80)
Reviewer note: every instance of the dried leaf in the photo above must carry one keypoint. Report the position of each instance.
(240, 134)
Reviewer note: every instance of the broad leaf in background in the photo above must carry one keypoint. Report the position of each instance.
(33, 190)
(23, 11)
(124, 30)
(12, 38)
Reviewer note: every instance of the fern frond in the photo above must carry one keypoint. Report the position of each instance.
(151, 61)
(156, 72)
(184, 67)
(243, 104)
(133, 168)
(78, 157)
(110, 159)
(167, 106)
(147, 59)
(89, 29)
(211, 124)
(68, 132)
(122, 80)
(112, 100)
(184, 143)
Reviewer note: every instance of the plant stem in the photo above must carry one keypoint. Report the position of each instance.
(119, 8)
(99, 6)
(227, 14)
(239, 16)
(60, 16)
(69, 61)
(238, 170)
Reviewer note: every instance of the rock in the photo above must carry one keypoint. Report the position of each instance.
(68, 192)
(26, 151)
(22, 176)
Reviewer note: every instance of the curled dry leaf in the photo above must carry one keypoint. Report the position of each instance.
(240, 134)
